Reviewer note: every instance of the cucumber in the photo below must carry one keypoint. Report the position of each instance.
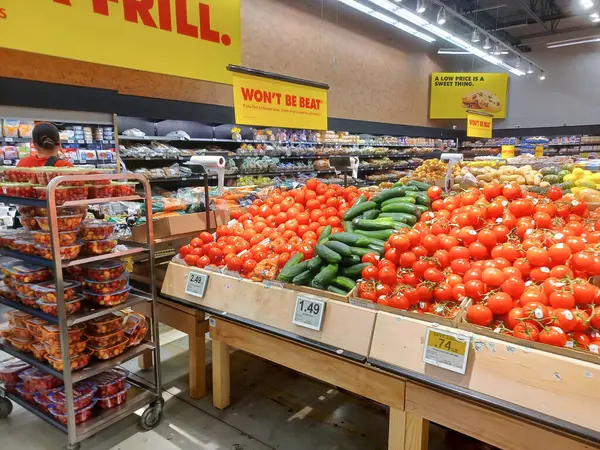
(357, 210)
(381, 234)
(420, 209)
(347, 224)
(324, 234)
(369, 215)
(399, 200)
(377, 249)
(407, 189)
(354, 271)
(350, 239)
(336, 290)
(289, 274)
(420, 197)
(344, 283)
(325, 276)
(388, 194)
(400, 217)
(372, 225)
(360, 252)
(286, 273)
(315, 263)
(350, 260)
(304, 278)
(327, 254)
(339, 247)
(376, 242)
(407, 208)
(360, 200)
(419, 185)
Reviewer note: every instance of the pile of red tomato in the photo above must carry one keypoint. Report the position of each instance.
(273, 230)
(524, 261)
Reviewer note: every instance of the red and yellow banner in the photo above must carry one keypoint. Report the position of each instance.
(479, 126)
(186, 38)
(273, 103)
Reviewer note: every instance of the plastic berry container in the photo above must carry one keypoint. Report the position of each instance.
(36, 380)
(21, 175)
(99, 247)
(28, 273)
(81, 415)
(7, 292)
(5, 330)
(29, 223)
(70, 222)
(52, 308)
(115, 400)
(96, 230)
(83, 395)
(46, 292)
(106, 340)
(104, 270)
(38, 350)
(136, 328)
(109, 383)
(25, 394)
(123, 189)
(108, 287)
(76, 348)
(26, 190)
(74, 271)
(41, 211)
(105, 325)
(21, 333)
(51, 172)
(42, 402)
(101, 191)
(34, 325)
(66, 253)
(104, 353)
(26, 211)
(50, 333)
(65, 238)
(28, 301)
(77, 361)
(114, 299)
(20, 344)
(100, 172)
(26, 246)
(17, 318)
(10, 370)
(25, 289)
(63, 193)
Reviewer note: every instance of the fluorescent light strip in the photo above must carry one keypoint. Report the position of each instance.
(437, 31)
(558, 44)
(453, 51)
(389, 20)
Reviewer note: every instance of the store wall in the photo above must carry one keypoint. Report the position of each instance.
(568, 96)
(376, 73)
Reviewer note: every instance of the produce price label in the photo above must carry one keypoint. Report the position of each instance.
(196, 284)
(308, 312)
(446, 350)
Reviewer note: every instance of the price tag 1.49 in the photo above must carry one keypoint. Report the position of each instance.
(196, 284)
(308, 312)
(446, 350)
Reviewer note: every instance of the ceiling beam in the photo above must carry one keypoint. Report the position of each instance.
(534, 16)
(489, 8)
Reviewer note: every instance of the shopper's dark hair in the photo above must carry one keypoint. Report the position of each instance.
(46, 135)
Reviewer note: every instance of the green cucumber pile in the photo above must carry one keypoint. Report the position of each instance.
(337, 263)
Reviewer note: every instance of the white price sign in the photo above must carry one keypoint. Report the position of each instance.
(446, 350)
(196, 284)
(308, 312)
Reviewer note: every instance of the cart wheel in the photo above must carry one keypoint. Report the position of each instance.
(72, 447)
(151, 417)
(6, 407)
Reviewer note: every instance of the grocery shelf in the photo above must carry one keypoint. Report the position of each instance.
(6, 347)
(23, 201)
(372, 169)
(98, 201)
(33, 311)
(32, 409)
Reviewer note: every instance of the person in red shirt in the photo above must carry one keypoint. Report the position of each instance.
(46, 140)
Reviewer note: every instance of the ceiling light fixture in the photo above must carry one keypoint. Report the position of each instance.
(453, 51)
(530, 69)
(421, 7)
(486, 44)
(542, 75)
(441, 16)
(567, 42)
(587, 4)
(475, 37)
(518, 63)
(496, 50)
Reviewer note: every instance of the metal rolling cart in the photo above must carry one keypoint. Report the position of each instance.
(142, 392)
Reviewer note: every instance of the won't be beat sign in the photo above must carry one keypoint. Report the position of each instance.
(273, 103)
(186, 38)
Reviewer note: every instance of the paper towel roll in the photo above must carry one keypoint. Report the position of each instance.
(210, 162)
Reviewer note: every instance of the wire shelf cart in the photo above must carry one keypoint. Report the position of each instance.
(142, 392)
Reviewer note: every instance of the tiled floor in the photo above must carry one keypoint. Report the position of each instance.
(272, 408)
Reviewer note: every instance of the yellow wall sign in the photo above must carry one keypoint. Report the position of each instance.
(273, 103)
(452, 94)
(479, 126)
(186, 38)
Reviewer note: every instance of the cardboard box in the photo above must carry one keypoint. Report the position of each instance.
(174, 225)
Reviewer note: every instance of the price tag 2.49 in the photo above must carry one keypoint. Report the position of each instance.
(196, 284)
(308, 312)
(446, 350)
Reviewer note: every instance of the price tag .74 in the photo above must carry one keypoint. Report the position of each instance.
(196, 284)
(308, 312)
(446, 350)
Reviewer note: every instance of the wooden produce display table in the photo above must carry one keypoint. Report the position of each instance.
(511, 396)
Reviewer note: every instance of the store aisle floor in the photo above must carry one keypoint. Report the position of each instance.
(272, 408)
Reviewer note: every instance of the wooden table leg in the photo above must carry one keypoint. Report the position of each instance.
(198, 357)
(407, 431)
(220, 374)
